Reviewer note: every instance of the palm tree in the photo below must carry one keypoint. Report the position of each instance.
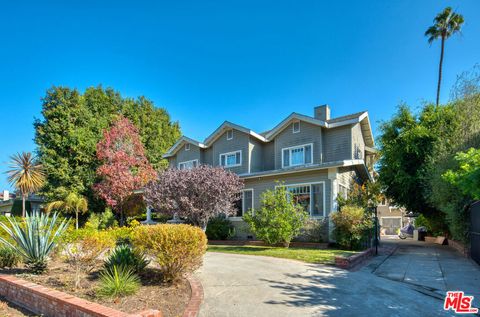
(71, 203)
(26, 174)
(445, 25)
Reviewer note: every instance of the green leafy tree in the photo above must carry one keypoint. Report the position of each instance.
(467, 176)
(72, 124)
(25, 174)
(72, 203)
(279, 219)
(446, 23)
(407, 143)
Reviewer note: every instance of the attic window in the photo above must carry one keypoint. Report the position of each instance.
(296, 126)
(229, 134)
(187, 147)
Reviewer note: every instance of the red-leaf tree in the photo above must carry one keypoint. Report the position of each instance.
(197, 194)
(125, 167)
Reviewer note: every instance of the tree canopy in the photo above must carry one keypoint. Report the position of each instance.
(72, 124)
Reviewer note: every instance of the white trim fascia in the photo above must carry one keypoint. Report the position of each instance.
(216, 134)
(300, 117)
(311, 205)
(175, 147)
(228, 153)
(297, 147)
(299, 169)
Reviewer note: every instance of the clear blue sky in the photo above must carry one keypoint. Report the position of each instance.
(250, 62)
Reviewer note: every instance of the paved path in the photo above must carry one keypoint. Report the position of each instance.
(242, 285)
(433, 267)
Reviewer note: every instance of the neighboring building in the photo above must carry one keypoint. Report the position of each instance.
(315, 157)
(9, 201)
(391, 218)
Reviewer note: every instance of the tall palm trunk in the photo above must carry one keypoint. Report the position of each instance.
(76, 219)
(440, 70)
(24, 198)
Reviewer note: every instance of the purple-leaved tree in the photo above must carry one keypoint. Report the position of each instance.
(197, 194)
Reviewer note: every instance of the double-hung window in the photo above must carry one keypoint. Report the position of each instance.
(245, 203)
(297, 155)
(231, 159)
(310, 196)
(187, 165)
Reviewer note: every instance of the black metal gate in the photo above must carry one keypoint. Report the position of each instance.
(475, 231)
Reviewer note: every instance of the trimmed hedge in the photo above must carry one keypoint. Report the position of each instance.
(176, 248)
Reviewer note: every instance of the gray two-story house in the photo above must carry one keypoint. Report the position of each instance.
(316, 158)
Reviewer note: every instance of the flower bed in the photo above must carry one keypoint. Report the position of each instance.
(170, 299)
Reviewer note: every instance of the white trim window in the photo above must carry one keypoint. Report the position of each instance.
(343, 191)
(230, 134)
(187, 147)
(297, 155)
(311, 196)
(187, 165)
(296, 126)
(245, 203)
(231, 159)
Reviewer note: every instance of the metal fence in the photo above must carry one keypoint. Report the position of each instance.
(475, 231)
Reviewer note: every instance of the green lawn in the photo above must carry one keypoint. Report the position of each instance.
(308, 255)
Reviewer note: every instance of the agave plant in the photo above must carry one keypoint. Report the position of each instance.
(34, 239)
(128, 258)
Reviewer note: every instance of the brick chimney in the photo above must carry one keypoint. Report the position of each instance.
(322, 112)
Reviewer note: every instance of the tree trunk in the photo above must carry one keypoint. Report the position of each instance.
(23, 206)
(440, 70)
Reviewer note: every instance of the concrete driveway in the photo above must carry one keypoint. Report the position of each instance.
(242, 285)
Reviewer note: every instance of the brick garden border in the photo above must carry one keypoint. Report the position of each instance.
(354, 261)
(196, 299)
(42, 300)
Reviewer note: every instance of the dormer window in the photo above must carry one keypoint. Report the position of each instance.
(297, 155)
(229, 134)
(296, 126)
(187, 147)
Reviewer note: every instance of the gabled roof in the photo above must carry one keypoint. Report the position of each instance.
(227, 126)
(179, 144)
(267, 136)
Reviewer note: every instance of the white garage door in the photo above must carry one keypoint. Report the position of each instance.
(390, 225)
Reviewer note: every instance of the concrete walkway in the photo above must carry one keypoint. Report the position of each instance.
(433, 268)
(242, 285)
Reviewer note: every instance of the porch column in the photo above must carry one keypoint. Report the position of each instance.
(332, 176)
(149, 220)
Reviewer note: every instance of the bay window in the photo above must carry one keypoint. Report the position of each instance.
(310, 196)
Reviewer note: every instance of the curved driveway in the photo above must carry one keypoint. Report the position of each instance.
(242, 285)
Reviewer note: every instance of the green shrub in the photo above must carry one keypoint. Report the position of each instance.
(82, 249)
(279, 219)
(8, 257)
(118, 282)
(313, 231)
(101, 221)
(126, 257)
(35, 238)
(352, 225)
(176, 248)
(220, 228)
